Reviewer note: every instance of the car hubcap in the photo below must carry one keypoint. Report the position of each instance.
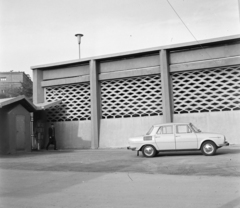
(148, 150)
(208, 148)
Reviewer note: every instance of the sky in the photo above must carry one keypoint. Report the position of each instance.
(38, 32)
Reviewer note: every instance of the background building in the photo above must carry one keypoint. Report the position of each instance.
(13, 84)
(107, 99)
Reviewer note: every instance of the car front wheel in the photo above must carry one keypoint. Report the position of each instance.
(209, 148)
(149, 151)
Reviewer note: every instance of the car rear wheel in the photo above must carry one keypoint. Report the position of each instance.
(209, 148)
(149, 151)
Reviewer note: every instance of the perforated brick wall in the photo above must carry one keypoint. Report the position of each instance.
(75, 102)
(207, 90)
(131, 97)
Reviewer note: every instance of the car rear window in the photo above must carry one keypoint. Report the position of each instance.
(150, 131)
(165, 130)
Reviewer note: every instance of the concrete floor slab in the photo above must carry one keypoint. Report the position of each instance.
(118, 178)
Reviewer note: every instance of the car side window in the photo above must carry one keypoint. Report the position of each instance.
(183, 129)
(165, 130)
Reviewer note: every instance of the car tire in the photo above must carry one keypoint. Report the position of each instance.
(209, 148)
(149, 151)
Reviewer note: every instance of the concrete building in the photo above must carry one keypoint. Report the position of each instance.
(107, 99)
(13, 80)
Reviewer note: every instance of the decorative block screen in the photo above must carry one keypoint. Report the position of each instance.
(131, 97)
(206, 90)
(75, 102)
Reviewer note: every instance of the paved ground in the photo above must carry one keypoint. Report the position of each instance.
(118, 178)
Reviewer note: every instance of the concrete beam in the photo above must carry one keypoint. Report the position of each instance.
(95, 104)
(167, 102)
(72, 80)
(130, 73)
(38, 91)
(205, 64)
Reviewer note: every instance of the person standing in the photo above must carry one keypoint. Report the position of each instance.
(52, 139)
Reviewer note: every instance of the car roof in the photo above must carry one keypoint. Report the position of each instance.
(167, 124)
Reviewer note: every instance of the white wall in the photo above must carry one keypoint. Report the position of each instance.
(227, 123)
(115, 132)
(73, 134)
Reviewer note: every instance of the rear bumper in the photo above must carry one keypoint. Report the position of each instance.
(224, 144)
(132, 148)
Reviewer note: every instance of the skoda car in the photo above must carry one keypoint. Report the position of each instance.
(174, 137)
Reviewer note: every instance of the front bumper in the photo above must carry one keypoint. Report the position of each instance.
(224, 144)
(132, 148)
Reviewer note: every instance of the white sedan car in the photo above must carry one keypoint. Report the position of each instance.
(176, 136)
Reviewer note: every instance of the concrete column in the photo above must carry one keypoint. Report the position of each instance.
(166, 87)
(38, 92)
(95, 104)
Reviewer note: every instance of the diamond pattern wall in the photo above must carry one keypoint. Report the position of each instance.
(75, 102)
(131, 97)
(206, 90)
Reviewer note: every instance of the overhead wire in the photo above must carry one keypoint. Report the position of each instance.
(187, 27)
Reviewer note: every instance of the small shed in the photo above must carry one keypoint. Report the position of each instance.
(15, 124)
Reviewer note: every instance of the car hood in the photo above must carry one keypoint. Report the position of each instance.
(214, 135)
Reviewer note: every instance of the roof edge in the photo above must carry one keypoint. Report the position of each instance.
(16, 99)
(173, 46)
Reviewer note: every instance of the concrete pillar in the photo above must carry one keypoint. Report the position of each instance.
(95, 104)
(167, 102)
(38, 92)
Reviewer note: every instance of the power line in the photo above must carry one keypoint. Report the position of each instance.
(187, 27)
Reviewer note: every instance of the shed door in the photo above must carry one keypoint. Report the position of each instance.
(20, 132)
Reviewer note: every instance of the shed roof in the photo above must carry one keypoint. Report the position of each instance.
(43, 106)
(21, 100)
(27, 104)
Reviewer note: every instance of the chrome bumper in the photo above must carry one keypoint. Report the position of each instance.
(224, 144)
(131, 148)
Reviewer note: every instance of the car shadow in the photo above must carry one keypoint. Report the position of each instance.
(223, 151)
(178, 153)
(198, 152)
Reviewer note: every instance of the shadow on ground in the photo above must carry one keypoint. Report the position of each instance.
(224, 163)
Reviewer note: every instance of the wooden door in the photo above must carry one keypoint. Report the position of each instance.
(20, 132)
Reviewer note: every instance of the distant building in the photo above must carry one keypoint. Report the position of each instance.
(15, 83)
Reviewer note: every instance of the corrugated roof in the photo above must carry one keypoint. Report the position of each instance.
(44, 106)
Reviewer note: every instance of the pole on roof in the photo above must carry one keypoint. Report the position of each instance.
(79, 42)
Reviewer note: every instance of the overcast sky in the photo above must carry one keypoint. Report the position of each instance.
(36, 32)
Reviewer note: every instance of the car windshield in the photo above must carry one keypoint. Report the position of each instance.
(195, 129)
(149, 131)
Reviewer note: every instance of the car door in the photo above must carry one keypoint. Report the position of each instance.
(165, 138)
(185, 137)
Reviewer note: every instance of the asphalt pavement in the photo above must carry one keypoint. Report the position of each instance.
(120, 178)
